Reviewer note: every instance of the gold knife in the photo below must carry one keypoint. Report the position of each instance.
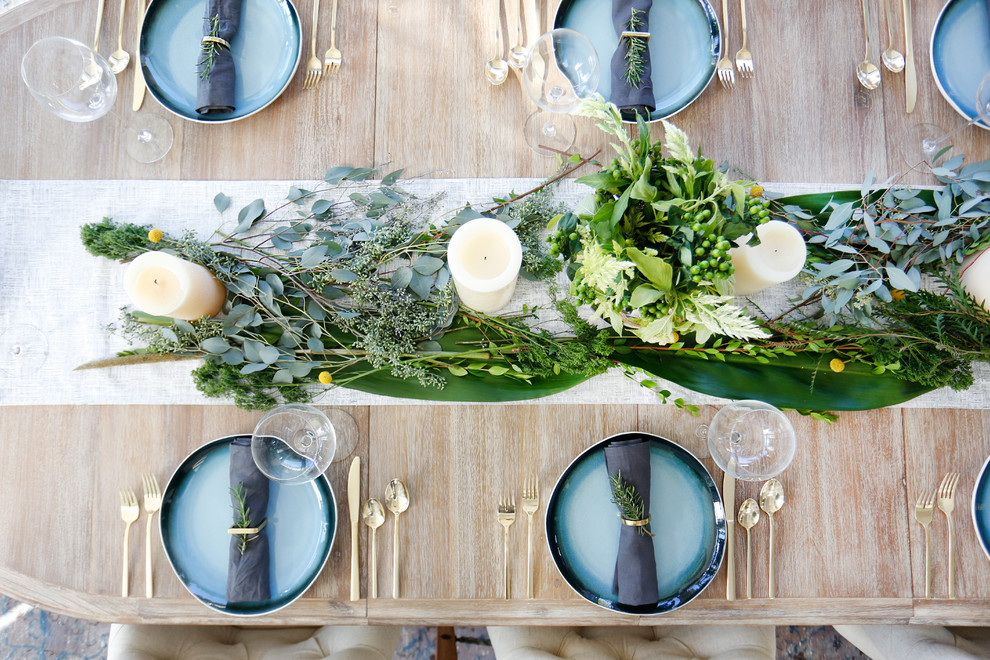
(138, 73)
(910, 75)
(354, 504)
(729, 495)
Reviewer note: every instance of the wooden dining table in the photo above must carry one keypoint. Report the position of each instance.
(411, 93)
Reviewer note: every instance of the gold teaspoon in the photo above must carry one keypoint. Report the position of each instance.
(396, 501)
(749, 515)
(771, 500)
(373, 515)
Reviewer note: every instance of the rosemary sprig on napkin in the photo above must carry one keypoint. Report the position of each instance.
(635, 48)
(243, 513)
(209, 48)
(630, 503)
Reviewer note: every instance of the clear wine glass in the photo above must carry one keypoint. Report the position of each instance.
(561, 70)
(751, 440)
(75, 82)
(293, 444)
(928, 143)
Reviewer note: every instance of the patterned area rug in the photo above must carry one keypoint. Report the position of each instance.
(29, 633)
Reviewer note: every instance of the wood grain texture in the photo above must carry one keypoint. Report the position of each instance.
(412, 94)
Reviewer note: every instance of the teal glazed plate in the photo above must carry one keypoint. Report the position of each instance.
(195, 516)
(981, 507)
(685, 45)
(688, 518)
(266, 53)
(960, 53)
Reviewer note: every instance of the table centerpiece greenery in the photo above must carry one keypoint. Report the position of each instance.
(347, 285)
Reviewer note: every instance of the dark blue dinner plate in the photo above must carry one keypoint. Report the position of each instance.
(685, 44)
(687, 514)
(960, 53)
(196, 514)
(266, 52)
(980, 507)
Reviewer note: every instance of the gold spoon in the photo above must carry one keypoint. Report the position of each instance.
(396, 501)
(771, 500)
(119, 58)
(373, 515)
(867, 71)
(517, 54)
(749, 515)
(497, 69)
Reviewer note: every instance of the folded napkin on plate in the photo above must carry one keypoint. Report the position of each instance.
(635, 578)
(215, 92)
(624, 95)
(247, 573)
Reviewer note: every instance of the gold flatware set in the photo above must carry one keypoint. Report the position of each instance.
(130, 511)
(771, 501)
(316, 69)
(924, 512)
(372, 514)
(893, 60)
(744, 58)
(497, 68)
(506, 510)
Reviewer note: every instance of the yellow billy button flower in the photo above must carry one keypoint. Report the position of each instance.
(325, 377)
(756, 191)
(837, 365)
(155, 235)
(897, 294)
(677, 338)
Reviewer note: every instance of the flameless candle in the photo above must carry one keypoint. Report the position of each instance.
(484, 258)
(975, 276)
(779, 257)
(164, 285)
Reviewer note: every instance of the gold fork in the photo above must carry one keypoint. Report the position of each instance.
(152, 503)
(726, 74)
(333, 57)
(924, 511)
(314, 68)
(744, 59)
(129, 512)
(530, 503)
(506, 516)
(946, 503)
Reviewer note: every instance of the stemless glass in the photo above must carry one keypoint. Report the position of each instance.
(76, 83)
(928, 143)
(751, 440)
(561, 70)
(293, 444)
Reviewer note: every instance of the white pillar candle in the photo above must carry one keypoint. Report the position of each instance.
(484, 258)
(975, 276)
(165, 285)
(779, 257)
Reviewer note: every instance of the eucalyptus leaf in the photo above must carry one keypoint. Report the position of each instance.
(313, 256)
(221, 202)
(268, 354)
(253, 367)
(249, 215)
(899, 279)
(216, 345)
(427, 265)
(282, 377)
(401, 277)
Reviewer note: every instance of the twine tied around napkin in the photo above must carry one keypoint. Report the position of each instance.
(248, 570)
(632, 93)
(217, 74)
(635, 579)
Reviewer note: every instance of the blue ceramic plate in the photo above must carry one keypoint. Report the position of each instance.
(687, 514)
(981, 507)
(196, 513)
(961, 53)
(266, 52)
(685, 44)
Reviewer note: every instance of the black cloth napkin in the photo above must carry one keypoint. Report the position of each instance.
(247, 574)
(626, 97)
(635, 578)
(215, 94)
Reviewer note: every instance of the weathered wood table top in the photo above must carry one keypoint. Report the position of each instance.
(411, 94)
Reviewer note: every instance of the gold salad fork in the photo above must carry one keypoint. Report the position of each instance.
(506, 516)
(314, 68)
(333, 57)
(946, 503)
(530, 503)
(152, 503)
(744, 59)
(129, 512)
(924, 511)
(726, 74)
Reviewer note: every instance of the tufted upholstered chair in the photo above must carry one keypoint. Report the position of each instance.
(913, 642)
(129, 642)
(710, 642)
